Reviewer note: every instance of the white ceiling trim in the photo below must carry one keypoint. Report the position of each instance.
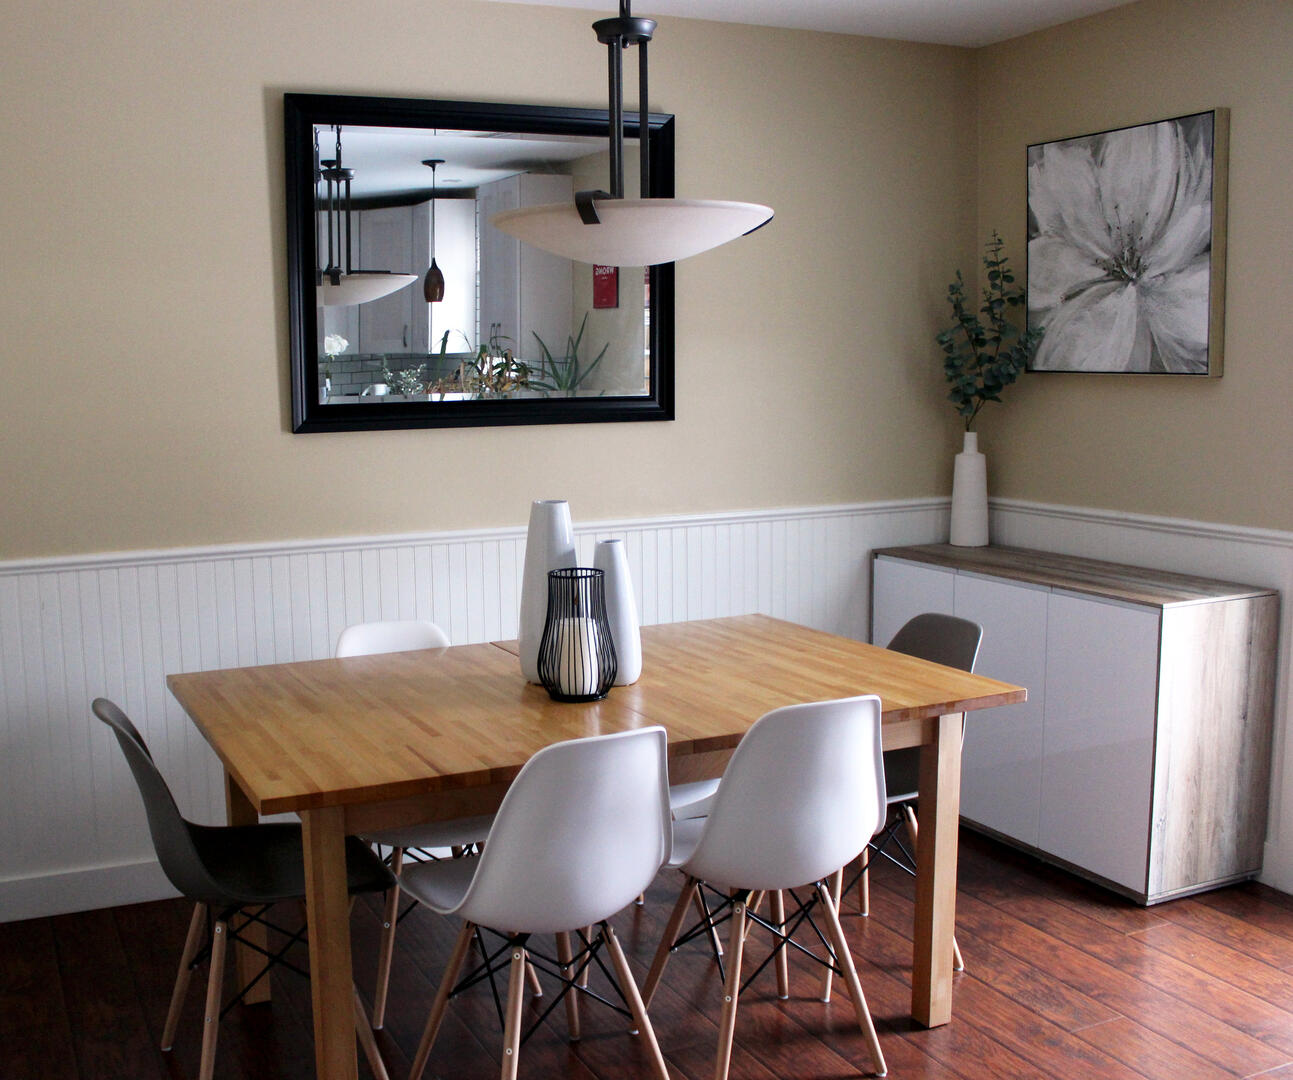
(970, 23)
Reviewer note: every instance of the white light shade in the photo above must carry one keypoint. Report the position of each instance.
(633, 232)
(362, 286)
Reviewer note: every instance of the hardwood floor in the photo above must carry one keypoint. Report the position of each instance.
(1063, 981)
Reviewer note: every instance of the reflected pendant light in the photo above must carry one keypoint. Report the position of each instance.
(433, 283)
(605, 228)
(336, 287)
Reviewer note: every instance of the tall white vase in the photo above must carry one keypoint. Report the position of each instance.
(621, 610)
(549, 545)
(970, 496)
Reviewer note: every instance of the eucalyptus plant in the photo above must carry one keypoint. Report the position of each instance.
(983, 355)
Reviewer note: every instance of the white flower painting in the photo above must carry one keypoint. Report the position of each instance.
(1122, 256)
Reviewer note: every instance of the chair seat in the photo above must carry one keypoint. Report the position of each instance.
(263, 864)
(686, 834)
(692, 800)
(457, 832)
(441, 885)
(901, 775)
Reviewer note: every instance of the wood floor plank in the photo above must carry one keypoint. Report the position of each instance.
(1242, 1013)
(1063, 982)
(1255, 940)
(34, 1025)
(1120, 989)
(110, 1034)
(1223, 963)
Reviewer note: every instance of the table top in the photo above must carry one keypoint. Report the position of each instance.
(372, 728)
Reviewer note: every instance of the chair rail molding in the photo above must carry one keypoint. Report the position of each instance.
(116, 624)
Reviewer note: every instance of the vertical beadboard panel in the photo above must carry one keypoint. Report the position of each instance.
(74, 629)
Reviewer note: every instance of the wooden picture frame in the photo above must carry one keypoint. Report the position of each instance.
(1126, 248)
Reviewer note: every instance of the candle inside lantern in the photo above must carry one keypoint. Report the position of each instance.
(578, 666)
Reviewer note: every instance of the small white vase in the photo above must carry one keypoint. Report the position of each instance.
(610, 557)
(549, 545)
(970, 496)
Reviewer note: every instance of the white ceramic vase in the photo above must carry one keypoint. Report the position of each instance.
(970, 496)
(549, 545)
(621, 610)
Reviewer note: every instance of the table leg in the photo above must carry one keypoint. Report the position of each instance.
(331, 977)
(935, 925)
(248, 962)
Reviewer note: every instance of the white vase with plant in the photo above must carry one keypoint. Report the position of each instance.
(981, 356)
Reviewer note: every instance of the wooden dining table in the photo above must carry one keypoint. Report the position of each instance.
(364, 743)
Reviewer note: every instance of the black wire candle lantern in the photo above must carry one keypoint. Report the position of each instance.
(576, 656)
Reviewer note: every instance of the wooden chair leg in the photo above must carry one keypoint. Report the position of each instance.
(864, 884)
(731, 990)
(532, 980)
(588, 936)
(703, 915)
(851, 982)
(913, 831)
(441, 1000)
(565, 956)
(752, 908)
(512, 1018)
(630, 990)
(837, 889)
(386, 949)
(364, 1029)
(191, 943)
(783, 954)
(667, 939)
(215, 983)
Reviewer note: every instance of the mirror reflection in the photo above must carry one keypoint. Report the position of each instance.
(513, 321)
(409, 309)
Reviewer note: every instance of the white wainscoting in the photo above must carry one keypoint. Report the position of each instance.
(72, 833)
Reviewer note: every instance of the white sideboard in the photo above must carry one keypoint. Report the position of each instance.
(1142, 757)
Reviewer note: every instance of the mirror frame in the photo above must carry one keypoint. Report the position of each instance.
(301, 112)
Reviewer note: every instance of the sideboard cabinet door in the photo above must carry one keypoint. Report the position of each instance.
(1098, 757)
(904, 589)
(1001, 768)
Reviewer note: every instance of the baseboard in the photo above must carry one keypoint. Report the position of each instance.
(83, 889)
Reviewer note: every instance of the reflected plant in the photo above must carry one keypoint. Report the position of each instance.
(564, 374)
(408, 382)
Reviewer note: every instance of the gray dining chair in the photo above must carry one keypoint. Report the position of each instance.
(941, 639)
(233, 874)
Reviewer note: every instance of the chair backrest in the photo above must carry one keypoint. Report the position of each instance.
(941, 639)
(365, 639)
(582, 831)
(802, 795)
(170, 832)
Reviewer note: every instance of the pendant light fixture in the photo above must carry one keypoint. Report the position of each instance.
(433, 283)
(336, 286)
(605, 228)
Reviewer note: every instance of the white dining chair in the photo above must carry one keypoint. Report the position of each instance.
(941, 639)
(801, 796)
(582, 830)
(435, 839)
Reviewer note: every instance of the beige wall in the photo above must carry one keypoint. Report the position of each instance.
(1213, 450)
(144, 316)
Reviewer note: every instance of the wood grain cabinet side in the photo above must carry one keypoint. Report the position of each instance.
(1142, 758)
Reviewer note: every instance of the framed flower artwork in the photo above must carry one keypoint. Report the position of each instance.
(1126, 248)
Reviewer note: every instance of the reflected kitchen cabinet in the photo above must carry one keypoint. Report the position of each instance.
(524, 291)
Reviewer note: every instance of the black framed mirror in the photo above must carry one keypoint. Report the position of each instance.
(380, 190)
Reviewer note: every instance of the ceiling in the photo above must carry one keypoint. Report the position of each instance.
(943, 22)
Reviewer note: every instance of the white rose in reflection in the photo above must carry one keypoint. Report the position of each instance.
(1120, 233)
(334, 344)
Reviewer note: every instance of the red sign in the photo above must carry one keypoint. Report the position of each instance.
(606, 286)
